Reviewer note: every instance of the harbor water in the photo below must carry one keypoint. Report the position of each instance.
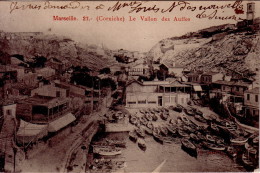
(176, 159)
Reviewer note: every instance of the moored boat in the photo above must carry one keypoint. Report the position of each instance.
(140, 132)
(133, 136)
(200, 118)
(148, 116)
(143, 121)
(157, 136)
(178, 108)
(250, 149)
(150, 125)
(231, 151)
(210, 138)
(141, 144)
(164, 131)
(194, 137)
(171, 129)
(246, 160)
(106, 151)
(185, 120)
(182, 133)
(201, 136)
(239, 140)
(154, 117)
(189, 147)
(117, 143)
(133, 120)
(198, 112)
(164, 115)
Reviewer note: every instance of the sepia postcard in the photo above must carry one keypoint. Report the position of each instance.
(129, 86)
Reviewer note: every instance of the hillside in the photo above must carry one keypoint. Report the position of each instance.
(62, 48)
(236, 51)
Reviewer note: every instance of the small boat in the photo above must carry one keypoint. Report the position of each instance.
(207, 117)
(141, 144)
(178, 108)
(141, 111)
(150, 125)
(250, 149)
(194, 137)
(164, 115)
(117, 143)
(214, 127)
(189, 146)
(138, 123)
(171, 129)
(182, 133)
(157, 136)
(148, 131)
(201, 137)
(164, 131)
(189, 111)
(198, 112)
(200, 118)
(106, 151)
(185, 120)
(210, 138)
(154, 117)
(214, 146)
(143, 121)
(148, 116)
(133, 120)
(256, 140)
(133, 136)
(239, 140)
(219, 140)
(171, 121)
(140, 132)
(231, 151)
(247, 162)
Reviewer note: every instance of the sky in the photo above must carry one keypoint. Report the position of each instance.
(130, 35)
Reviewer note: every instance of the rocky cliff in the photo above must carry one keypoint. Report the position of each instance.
(237, 51)
(62, 48)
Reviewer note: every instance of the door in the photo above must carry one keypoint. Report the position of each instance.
(159, 100)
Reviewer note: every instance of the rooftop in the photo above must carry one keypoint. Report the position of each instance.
(232, 83)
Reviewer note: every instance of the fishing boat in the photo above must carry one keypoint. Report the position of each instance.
(214, 146)
(189, 146)
(178, 108)
(143, 121)
(182, 133)
(141, 111)
(246, 160)
(218, 140)
(164, 116)
(148, 116)
(194, 137)
(171, 129)
(150, 125)
(210, 138)
(133, 136)
(154, 117)
(140, 132)
(250, 149)
(164, 131)
(189, 111)
(185, 120)
(107, 151)
(157, 136)
(117, 143)
(198, 112)
(256, 140)
(239, 140)
(231, 151)
(141, 144)
(214, 128)
(133, 120)
(200, 118)
(201, 136)
(148, 131)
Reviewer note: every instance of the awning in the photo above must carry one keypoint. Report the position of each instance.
(63, 121)
(29, 132)
(197, 88)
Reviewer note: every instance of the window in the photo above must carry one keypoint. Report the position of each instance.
(224, 88)
(142, 102)
(8, 112)
(256, 98)
(131, 102)
(151, 102)
(237, 88)
(248, 97)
